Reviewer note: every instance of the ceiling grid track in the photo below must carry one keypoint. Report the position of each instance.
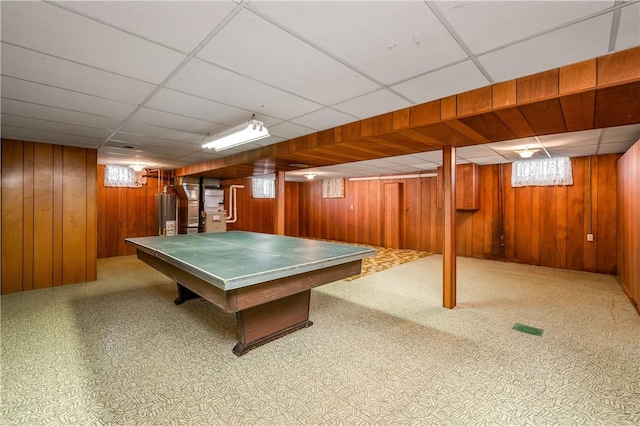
(179, 67)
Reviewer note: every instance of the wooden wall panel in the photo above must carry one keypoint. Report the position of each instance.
(43, 216)
(591, 214)
(547, 225)
(123, 213)
(522, 225)
(292, 211)
(561, 227)
(46, 215)
(12, 212)
(536, 225)
(27, 218)
(92, 216)
(392, 216)
(58, 183)
(74, 220)
(628, 217)
(606, 227)
(254, 214)
(576, 215)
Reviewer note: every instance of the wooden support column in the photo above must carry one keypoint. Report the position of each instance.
(449, 229)
(278, 227)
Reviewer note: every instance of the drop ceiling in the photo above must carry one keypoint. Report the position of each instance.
(146, 82)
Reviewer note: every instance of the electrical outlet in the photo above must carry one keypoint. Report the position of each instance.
(589, 237)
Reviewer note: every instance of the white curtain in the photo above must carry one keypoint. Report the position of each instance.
(121, 176)
(263, 188)
(541, 172)
(333, 188)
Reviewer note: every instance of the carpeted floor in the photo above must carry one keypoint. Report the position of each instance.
(382, 351)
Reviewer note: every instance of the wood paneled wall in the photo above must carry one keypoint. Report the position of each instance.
(257, 214)
(48, 215)
(124, 212)
(629, 222)
(544, 226)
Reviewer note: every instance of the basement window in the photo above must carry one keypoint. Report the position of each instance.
(263, 188)
(542, 172)
(121, 176)
(333, 188)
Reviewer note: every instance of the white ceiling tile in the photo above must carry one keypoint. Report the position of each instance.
(268, 141)
(366, 34)
(125, 142)
(200, 156)
(35, 135)
(288, 130)
(474, 151)
(629, 29)
(324, 119)
(176, 122)
(621, 134)
(445, 82)
(615, 147)
(587, 137)
(405, 159)
(485, 25)
(568, 151)
(427, 166)
(379, 102)
(51, 96)
(164, 22)
(434, 156)
(255, 47)
(515, 144)
(73, 37)
(145, 130)
(217, 84)
(40, 68)
(26, 109)
(193, 106)
(52, 126)
(495, 159)
(568, 45)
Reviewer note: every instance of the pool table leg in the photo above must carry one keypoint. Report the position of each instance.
(263, 323)
(184, 294)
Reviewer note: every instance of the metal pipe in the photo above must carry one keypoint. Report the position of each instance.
(233, 213)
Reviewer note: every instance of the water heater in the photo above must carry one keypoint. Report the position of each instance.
(166, 219)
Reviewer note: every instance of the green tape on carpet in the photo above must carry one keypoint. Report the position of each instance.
(528, 329)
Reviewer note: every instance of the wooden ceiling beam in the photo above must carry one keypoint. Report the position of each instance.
(597, 93)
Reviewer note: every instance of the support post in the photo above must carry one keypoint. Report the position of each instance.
(279, 207)
(449, 228)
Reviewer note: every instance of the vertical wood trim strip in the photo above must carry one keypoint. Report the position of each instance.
(58, 230)
(92, 217)
(74, 221)
(27, 217)
(43, 216)
(279, 204)
(392, 216)
(449, 221)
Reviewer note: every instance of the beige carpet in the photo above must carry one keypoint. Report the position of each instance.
(382, 351)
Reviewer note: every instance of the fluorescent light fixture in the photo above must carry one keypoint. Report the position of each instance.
(137, 167)
(526, 153)
(309, 176)
(245, 133)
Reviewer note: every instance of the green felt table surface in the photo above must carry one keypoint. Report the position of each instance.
(235, 259)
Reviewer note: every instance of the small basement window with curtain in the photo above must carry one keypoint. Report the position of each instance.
(121, 176)
(542, 172)
(263, 188)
